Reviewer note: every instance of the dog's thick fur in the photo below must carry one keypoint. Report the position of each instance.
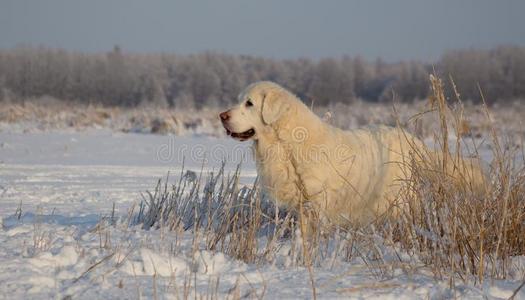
(342, 175)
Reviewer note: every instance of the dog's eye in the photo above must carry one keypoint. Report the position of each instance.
(249, 103)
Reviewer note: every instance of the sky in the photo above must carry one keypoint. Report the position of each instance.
(391, 29)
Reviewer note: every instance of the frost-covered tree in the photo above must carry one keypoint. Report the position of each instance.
(120, 78)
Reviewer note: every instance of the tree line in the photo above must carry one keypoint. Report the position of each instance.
(117, 78)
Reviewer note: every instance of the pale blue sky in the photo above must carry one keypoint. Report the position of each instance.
(392, 29)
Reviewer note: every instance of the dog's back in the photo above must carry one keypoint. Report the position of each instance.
(367, 172)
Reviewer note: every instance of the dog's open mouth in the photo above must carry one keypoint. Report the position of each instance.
(241, 135)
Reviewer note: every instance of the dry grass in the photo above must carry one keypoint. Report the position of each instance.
(420, 120)
(230, 218)
(455, 226)
(47, 113)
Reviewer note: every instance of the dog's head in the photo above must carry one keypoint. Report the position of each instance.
(261, 105)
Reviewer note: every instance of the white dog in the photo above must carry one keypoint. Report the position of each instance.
(343, 175)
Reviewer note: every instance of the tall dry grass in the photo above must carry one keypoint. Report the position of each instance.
(455, 226)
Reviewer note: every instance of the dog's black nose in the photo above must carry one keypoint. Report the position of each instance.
(224, 116)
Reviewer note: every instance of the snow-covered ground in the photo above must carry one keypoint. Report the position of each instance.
(64, 202)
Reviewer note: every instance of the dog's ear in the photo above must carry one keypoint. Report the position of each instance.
(274, 105)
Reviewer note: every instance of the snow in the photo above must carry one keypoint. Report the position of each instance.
(64, 203)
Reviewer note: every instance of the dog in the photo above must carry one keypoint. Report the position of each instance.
(342, 176)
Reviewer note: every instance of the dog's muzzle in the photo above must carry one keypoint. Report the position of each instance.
(243, 136)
